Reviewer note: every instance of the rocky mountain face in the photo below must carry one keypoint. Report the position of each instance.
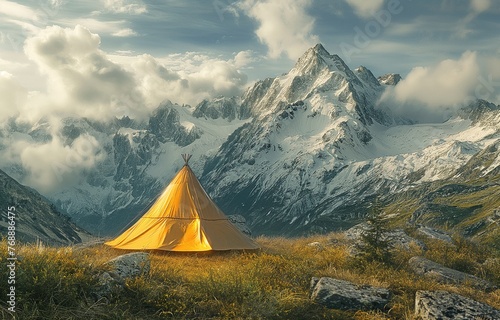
(303, 152)
(135, 160)
(390, 79)
(34, 217)
(319, 151)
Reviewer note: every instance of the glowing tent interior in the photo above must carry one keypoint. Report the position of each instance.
(183, 218)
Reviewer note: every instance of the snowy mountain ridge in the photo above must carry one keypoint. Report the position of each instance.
(304, 152)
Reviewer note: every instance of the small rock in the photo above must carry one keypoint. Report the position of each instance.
(442, 305)
(442, 274)
(344, 295)
(127, 266)
(316, 245)
(131, 265)
(435, 234)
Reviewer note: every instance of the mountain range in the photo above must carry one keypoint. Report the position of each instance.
(305, 152)
(34, 217)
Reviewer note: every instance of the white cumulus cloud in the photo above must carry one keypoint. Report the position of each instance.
(53, 164)
(431, 93)
(285, 27)
(82, 81)
(188, 78)
(364, 8)
(13, 95)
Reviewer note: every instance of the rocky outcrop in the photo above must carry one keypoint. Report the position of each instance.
(165, 124)
(443, 274)
(390, 79)
(344, 295)
(132, 150)
(127, 266)
(435, 234)
(221, 107)
(442, 305)
(397, 238)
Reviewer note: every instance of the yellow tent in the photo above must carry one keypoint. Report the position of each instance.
(183, 218)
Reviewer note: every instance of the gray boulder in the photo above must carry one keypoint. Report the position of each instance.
(127, 266)
(435, 234)
(397, 237)
(344, 295)
(131, 265)
(442, 305)
(442, 274)
(400, 239)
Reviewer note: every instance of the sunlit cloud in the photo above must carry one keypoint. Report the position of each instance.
(125, 33)
(275, 30)
(365, 9)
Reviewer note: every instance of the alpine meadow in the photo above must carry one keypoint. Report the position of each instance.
(250, 159)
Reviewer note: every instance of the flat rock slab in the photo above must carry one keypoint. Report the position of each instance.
(442, 305)
(344, 295)
(442, 274)
(397, 237)
(435, 234)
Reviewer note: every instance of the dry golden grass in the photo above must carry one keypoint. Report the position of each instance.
(272, 283)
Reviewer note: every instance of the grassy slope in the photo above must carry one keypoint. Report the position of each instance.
(270, 284)
(464, 204)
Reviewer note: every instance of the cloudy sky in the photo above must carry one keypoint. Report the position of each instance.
(109, 58)
(117, 54)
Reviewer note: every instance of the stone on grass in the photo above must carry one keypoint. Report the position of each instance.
(397, 238)
(435, 234)
(442, 274)
(442, 305)
(127, 266)
(344, 295)
(316, 245)
(131, 265)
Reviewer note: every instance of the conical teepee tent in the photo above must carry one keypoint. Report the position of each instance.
(183, 218)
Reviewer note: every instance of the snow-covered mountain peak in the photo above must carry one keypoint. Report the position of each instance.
(480, 111)
(317, 59)
(297, 153)
(366, 76)
(318, 74)
(320, 49)
(390, 79)
(221, 107)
